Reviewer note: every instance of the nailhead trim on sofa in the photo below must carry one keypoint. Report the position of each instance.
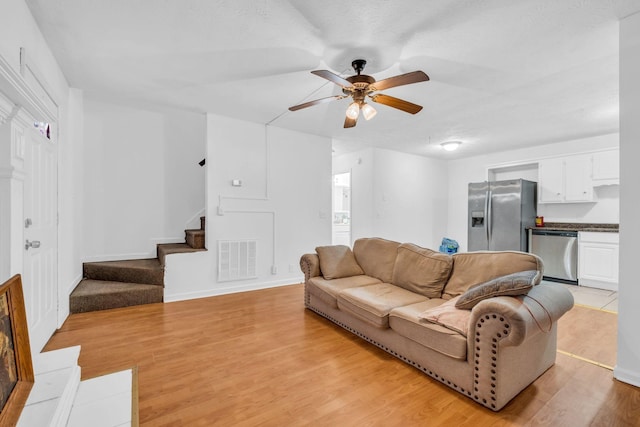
(487, 360)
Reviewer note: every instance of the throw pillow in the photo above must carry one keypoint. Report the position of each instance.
(512, 284)
(337, 261)
(447, 315)
(473, 268)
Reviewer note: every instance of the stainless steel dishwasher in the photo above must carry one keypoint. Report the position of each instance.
(559, 252)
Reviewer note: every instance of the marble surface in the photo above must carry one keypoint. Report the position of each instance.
(569, 226)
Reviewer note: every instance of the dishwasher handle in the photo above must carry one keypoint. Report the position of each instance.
(569, 259)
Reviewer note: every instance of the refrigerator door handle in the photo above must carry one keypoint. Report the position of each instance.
(487, 194)
(489, 216)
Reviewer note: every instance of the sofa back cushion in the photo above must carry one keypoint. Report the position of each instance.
(473, 268)
(421, 270)
(337, 261)
(376, 256)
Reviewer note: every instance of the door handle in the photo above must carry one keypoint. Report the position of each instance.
(34, 244)
(489, 219)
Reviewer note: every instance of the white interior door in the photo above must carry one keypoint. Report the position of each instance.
(41, 237)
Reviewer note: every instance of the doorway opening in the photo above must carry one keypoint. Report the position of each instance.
(341, 208)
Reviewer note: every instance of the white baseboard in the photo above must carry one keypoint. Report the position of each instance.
(161, 240)
(119, 257)
(229, 290)
(135, 255)
(72, 285)
(627, 376)
(63, 302)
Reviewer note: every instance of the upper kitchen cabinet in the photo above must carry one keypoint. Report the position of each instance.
(551, 181)
(566, 179)
(606, 167)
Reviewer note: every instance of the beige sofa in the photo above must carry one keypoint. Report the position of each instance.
(479, 322)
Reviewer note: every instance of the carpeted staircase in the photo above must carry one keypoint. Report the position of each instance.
(114, 284)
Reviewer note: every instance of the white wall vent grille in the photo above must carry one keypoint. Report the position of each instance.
(236, 260)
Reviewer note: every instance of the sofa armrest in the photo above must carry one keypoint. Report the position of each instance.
(310, 266)
(517, 318)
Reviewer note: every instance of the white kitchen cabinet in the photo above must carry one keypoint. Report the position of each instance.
(551, 181)
(565, 179)
(606, 167)
(598, 260)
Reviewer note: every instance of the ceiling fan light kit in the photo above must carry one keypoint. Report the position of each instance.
(353, 110)
(361, 86)
(368, 111)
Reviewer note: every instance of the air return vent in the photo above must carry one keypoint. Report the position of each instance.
(236, 260)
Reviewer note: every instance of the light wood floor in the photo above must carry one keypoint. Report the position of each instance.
(260, 358)
(589, 333)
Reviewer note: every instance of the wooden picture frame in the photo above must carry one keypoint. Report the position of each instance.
(16, 366)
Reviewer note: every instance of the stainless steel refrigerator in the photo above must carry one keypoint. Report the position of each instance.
(499, 214)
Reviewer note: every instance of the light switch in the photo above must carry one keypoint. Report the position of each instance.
(236, 183)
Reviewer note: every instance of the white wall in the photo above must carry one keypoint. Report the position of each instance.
(142, 181)
(628, 361)
(396, 196)
(474, 169)
(283, 203)
(19, 29)
(70, 202)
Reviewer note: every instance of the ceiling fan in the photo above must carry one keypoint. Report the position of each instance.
(362, 86)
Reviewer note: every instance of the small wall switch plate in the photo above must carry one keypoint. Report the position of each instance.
(236, 183)
(274, 269)
(220, 211)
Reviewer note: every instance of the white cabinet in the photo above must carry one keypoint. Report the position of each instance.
(565, 179)
(598, 260)
(551, 181)
(606, 167)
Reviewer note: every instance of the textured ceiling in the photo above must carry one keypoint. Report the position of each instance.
(504, 73)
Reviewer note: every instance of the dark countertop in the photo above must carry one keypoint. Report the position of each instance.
(569, 226)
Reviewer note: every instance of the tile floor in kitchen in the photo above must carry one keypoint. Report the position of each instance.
(592, 297)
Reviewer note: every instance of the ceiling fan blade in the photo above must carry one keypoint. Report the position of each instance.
(402, 79)
(315, 102)
(349, 123)
(332, 77)
(398, 103)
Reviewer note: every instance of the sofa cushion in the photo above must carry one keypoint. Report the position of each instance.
(373, 303)
(376, 256)
(474, 268)
(328, 290)
(337, 261)
(406, 322)
(421, 270)
(512, 284)
(449, 316)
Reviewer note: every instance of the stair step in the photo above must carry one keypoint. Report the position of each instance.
(174, 248)
(195, 238)
(93, 295)
(145, 271)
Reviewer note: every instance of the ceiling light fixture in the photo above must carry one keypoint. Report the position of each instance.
(451, 145)
(368, 111)
(353, 110)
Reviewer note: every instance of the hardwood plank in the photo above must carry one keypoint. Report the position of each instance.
(590, 333)
(260, 358)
